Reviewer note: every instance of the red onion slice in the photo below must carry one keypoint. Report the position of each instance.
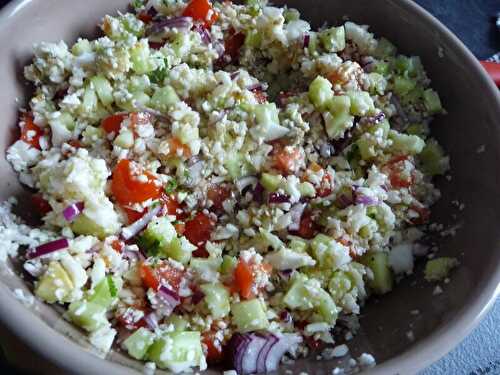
(168, 300)
(151, 320)
(280, 347)
(47, 248)
(255, 87)
(258, 193)
(204, 34)
(237, 347)
(278, 198)
(249, 362)
(366, 200)
(173, 22)
(307, 39)
(296, 213)
(134, 228)
(72, 211)
(261, 359)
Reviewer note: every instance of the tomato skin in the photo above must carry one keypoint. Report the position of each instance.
(27, 127)
(214, 347)
(42, 206)
(424, 215)
(244, 279)
(233, 44)
(218, 194)
(117, 246)
(199, 10)
(394, 168)
(145, 17)
(177, 148)
(126, 188)
(326, 186)
(198, 231)
(127, 321)
(153, 276)
(286, 160)
(111, 124)
(307, 228)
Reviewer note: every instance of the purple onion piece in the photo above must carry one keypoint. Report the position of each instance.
(373, 119)
(245, 182)
(399, 108)
(255, 87)
(280, 347)
(234, 74)
(261, 359)
(197, 297)
(204, 34)
(343, 201)
(307, 39)
(278, 198)
(249, 360)
(258, 193)
(152, 11)
(285, 316)
(47, 248)
(296, 213)
(151, 320)
(134, 228)
(161, 23)
(366, 200)
(72, 211)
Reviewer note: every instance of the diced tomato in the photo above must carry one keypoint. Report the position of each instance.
(218, 194)
(133, 215)
(128, 188)
(260, 96)
(180, 228)
(233, 44)
(41, 205)
(214, 347)
(398, 177)
(424, 215)
(127, 319)
(201, 10)
(286, 160)
(307, 228)
(111, 124)
(155, 45)
(177, 148)
(309, 340)
(139, 118)
(244, 279)
(160, 273)
(30, 133)
(198, 231)
(75, 143)
(117, 245)
(326, 186)
(145, 17)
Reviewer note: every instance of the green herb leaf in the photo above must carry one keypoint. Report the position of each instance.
(113, 290)
(171, 186)
(158, 76)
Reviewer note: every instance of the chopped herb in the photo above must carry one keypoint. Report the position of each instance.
(171, 186)
(158, 76)
(137, 4)
(112, 287)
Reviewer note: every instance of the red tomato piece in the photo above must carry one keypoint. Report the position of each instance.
(161, 273)
(117, 245)
(286, 160)
(260, 96)
(177, 148)
(233, 44)
(155, 45)
(198, 231)
(201, 10)
(128, 319)
(326, 186)
(244, 279)
(41, 205)
(214, 352)
(424, 215)
(145, 17)
(149, 277)
(111, 124)
(30, 133)
(218, 194)
(398, 177)
(307, 228)
(128, 188)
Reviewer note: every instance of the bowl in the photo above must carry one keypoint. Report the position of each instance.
(473, 105)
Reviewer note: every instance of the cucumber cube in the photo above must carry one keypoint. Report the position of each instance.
(138, 343)
(361, 103)
(271, 182)
(337, 124)
(164, 98)
(438, 269)
(406, 144)
(333, 39)
(125, 139)
(307, 189)
(157, 237)
(378, 263)
(141, 59)
(298, 297)
(55, 284)
(80, 47)
(84, 225)
(180, 324)
(88, 315)
(320, 92)
(432, 102)
(298, 244)
(103, 89)
(177, 351)
(433, 160)
(228, 264)
(403, 85)
(217, 299)
(249, 315)
(384, 49)
(105, 292)
(268, 123)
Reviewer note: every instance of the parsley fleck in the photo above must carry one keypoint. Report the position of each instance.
(158, 76)
(112, 287)
(171, 186)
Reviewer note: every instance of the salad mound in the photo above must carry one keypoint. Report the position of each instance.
(221, 183)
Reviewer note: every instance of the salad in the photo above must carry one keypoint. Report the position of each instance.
(219, 183)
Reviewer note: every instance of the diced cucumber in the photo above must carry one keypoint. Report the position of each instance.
(406, 144)
(237, 166)
(378, 263)
(382, 67)
(333, 39)
(141, 59)
(180, 324)
(228, 264)
(139, 100)
(433, 160)
(403, 85)
(320, 92)
(432, 102)
(125, 139)
(339, 285)
(298, 296)
(55, 284)
(366, 146)
(217, 299)
(326, 307)
(89, 101)
(378, 83)
(339, 104)
(180, 249)
(253, 39)
(138, 343)
(206, 268)
(80, 47)
(158, 237)
(291, 14)
(271, 239)
(105, 292)
(91, 134)
(313, 43)
(361, 103)
(271, 182)
(249, 315)
(384, 49)
(329, 252)
(307, 189)
(84, 225)
(139, 83)
(164, 98)
(268, 123)
(298, 244)
(103, 89)
(88, 315)
(382, 128)
(439, 268)
(182, 45)
(408, 66)
(337, 124)
(177, 351)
